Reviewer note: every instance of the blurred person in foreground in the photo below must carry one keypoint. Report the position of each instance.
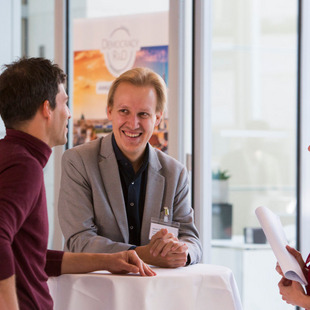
(33, 106)
(292, 291)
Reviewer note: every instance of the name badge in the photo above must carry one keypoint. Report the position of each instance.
(158, 224)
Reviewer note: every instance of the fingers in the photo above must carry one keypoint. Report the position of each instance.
(174, 260)
(135, 261)
(149, 271)
(167, 248)
(291, 291)
(158, 246)
(279, 270)
(160, 234)
(120, 266)
(124, 262)
(163, 234)
(284, 282)
(176, 247)
(160, 240)
(164, 246)
(297, 256)
(139, 265)
(293, 251)
(171, 260)
(171, 236)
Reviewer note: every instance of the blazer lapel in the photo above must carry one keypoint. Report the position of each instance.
(111, 180)
(154, 195)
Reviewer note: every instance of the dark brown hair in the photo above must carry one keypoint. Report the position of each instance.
(24, 85)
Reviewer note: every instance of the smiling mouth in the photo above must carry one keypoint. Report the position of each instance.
(132, 135)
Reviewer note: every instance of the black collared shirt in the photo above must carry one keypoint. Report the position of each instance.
(134, 188)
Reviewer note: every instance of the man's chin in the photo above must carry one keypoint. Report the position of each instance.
(62, 142)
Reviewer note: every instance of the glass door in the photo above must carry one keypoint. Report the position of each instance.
(253, 117)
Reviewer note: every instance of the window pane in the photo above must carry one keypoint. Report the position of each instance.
(254, 78)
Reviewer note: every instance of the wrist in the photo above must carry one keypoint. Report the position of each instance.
(305, 301)
(143, 253)
(100, 261)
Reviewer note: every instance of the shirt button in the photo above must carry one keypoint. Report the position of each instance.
(131, 227)
(132, 204)
(132, 183)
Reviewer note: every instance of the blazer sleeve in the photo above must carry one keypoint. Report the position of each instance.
(76, 208)
(184, 214)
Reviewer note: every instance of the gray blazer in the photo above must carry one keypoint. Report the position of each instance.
(91, 207)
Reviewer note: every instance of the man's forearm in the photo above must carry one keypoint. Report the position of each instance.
(8, 297)
(122, 262)
(81, 263)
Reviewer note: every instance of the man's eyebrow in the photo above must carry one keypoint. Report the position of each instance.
(123, 106)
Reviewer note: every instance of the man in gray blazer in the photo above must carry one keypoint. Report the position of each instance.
(113, 186)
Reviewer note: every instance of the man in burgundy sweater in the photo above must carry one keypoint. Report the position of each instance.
(33, 106)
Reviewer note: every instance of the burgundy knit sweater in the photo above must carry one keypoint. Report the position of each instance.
(24, 221)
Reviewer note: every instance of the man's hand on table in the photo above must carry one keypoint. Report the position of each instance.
(164, 250)
(126, 262)
(121, 263)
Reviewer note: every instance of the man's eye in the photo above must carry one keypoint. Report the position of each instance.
(144, 115)
(124, 111)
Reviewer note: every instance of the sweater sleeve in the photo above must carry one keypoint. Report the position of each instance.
(7, 260)
(19, 185)
(53, 263)
(308, 276)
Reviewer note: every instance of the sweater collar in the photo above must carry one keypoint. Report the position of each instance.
(39, 149)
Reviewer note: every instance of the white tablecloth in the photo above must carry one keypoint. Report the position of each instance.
(194, 287)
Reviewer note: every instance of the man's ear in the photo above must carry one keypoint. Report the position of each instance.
(159, 115)
(46, 109)
(109, 110)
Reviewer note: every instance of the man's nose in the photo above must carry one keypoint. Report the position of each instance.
(69, 113)
(134, 121)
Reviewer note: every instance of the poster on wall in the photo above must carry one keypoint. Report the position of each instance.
(104, 48)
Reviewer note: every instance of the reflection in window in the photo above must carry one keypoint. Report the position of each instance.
(254, 105)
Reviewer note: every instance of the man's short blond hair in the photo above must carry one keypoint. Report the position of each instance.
(141, 77)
